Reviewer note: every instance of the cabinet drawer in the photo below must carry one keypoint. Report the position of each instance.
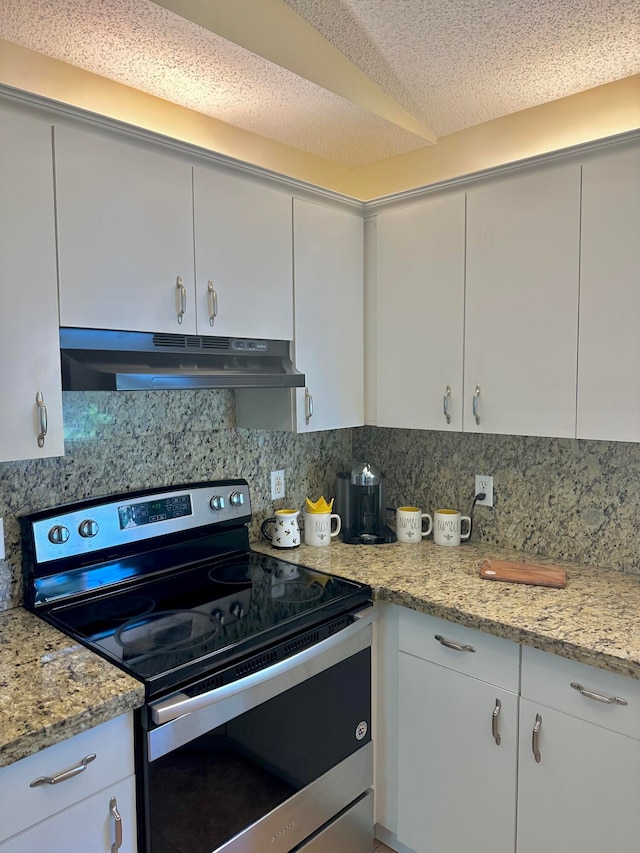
(547, 679)
(23, 806)
(493, 659)
(88, 827)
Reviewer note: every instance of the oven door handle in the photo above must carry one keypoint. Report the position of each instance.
(279, 677)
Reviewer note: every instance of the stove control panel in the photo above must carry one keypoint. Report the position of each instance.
(93, 525)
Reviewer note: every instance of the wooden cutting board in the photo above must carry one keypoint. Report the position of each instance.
(502, 570)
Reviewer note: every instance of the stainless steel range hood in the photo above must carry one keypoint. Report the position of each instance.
(101, 360)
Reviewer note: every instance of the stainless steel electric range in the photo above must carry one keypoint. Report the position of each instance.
(256, 731)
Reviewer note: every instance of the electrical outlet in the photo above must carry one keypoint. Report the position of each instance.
(277, 485)
(484, 484)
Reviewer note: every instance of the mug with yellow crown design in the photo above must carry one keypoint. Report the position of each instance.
(319, 522)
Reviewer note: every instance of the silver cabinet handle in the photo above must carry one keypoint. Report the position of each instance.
(42, 411)
(64, 774)
(113, 808)
(445, 404)
(183, 299)
(476, 400)
(495, 729)
(212, 296)
(598, 697)
(451, 645)
(308, 405)
(535, 738)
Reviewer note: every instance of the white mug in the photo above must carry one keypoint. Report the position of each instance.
(409, 521)
(317, 527)
(286, 532)
(447, 524)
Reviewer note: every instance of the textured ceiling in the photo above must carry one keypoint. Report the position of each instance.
(457, 63)
(449, 64)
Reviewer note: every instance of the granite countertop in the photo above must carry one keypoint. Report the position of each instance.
(52, 688)
(594, 620)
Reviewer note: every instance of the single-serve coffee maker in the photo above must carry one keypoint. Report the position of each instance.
(360, 503)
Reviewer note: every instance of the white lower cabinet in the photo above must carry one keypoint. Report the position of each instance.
(87, 827)
(456, 786)
(457, 738)
(83, 799)
(583, 792)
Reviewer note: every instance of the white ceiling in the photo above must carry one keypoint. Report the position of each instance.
(431, 67)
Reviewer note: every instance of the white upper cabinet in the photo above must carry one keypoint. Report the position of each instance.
(243, 245)
(329, 348)
(29, 342)
(609, 350)
(522, 279)
(125, 234)
(328, 337)
(420, 315)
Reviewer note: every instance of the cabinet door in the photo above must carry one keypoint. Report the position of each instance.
(243, 248)
(583, 794)
(420, 315)
(87, 826)
(456, 785)
(125, 235)
(521, 312)
(29, 341)
(329, 348)
(609, 352)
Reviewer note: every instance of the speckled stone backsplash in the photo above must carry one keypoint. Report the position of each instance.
(129, 440)
(568, 500)
(565, 499)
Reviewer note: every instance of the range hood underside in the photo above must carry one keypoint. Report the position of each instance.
(99, 360)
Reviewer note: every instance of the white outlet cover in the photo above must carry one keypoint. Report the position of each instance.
(484, 483)
(277, 485)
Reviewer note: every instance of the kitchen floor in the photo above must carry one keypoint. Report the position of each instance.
(379, 847)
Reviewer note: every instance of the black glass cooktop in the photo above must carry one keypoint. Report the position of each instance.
(170, 627)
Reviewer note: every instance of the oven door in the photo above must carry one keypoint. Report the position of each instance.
(269, 762)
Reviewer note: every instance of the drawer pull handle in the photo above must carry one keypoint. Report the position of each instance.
(445, 404)
(308, 405)
(476, 400)
(42, 414)
(213, 302)
(113, 808)
(495, 728)
(598, 697)
(451, 645)
(65, 774)
(535, 739)
(182, 294)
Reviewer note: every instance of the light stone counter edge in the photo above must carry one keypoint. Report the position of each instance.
(595, 620)
(52, 688)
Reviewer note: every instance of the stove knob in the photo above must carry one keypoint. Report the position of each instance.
(236, 499)
(217, 503)
(219, 615)
(58, 534)
(237, 610)
(88, 528)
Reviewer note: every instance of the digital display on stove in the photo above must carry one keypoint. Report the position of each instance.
(149, 512)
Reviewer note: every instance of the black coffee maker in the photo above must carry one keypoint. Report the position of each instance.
(360, 503)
